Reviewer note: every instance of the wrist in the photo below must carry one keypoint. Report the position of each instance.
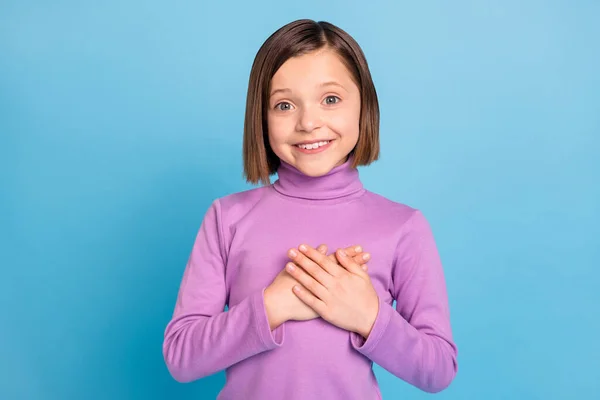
(274, 316)
(365, 331)
(369, 323)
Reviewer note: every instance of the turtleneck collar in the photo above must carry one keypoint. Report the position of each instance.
(341, 182)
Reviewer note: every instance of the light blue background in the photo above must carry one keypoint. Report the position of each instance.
(120, 122)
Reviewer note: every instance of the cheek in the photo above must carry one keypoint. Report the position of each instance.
(346, 123)
(277, 131)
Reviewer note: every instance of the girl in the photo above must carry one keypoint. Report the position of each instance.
(302, 324)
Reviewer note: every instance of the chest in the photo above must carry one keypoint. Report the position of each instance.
(258, 247)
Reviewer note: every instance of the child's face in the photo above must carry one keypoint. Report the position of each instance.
(313, 100)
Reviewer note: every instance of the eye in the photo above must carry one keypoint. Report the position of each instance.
(283, 106)
(332, 100)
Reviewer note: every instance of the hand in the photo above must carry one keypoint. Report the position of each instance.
(354, 251)
(341, 294)
(282, 305)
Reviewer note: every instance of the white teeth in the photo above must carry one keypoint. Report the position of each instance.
(313, 145)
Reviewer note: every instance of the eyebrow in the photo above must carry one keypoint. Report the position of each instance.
(322, 85)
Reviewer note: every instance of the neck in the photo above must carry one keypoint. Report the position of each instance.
(342, 181)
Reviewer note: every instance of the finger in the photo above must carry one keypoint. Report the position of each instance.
(361, 262)
(322, 249)
(316, 288)
(318, 260)
(310, 300)
(348, 263)
(313, 269)
(356, 252)
(359, 259)
(352, 251)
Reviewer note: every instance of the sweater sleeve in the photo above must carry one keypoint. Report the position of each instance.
(414, 341)
(201, 338)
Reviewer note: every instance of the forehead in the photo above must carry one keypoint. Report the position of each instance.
(311, 69)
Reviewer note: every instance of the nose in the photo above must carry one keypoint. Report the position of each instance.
(309, 119)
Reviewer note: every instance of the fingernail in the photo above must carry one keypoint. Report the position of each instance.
(302, 247)
(366, 256)
(358, 249)
(293, 253)
(290, 267)
(342, 253)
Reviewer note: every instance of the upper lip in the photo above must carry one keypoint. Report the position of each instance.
(313, 141)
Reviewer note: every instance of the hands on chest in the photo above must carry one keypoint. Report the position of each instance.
(335, 287)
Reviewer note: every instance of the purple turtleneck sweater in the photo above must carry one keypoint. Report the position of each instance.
(242, 245)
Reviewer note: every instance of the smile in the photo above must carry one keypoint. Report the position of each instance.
(312, 148)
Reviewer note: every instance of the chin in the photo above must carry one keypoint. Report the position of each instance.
(317, 168)
(314, 172)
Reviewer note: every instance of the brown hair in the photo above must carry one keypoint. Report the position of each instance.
(295, 39)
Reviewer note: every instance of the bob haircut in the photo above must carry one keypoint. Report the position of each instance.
(295, 39)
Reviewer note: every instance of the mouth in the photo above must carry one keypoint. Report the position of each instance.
(313, 146)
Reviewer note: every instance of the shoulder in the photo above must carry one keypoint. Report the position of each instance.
(239, 201)
(394, 211)
(403, 219)
(225, 212)
(233, 207)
